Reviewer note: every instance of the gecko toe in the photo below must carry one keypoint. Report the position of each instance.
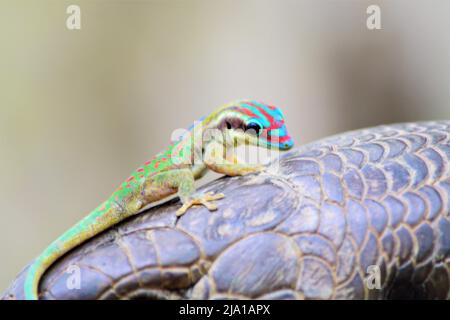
(212, 196)
(209, 205)
(202, 199)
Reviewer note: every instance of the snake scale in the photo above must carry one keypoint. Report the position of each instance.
(310, 226)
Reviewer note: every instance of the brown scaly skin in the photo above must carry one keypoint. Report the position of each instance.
(378, 196)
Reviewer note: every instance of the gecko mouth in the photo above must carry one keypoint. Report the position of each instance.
(271, 141)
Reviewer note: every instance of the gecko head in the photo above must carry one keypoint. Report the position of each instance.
(254, 123)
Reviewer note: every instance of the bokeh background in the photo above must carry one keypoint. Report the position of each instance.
(79, 110)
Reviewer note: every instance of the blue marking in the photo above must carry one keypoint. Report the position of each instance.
(262, 118)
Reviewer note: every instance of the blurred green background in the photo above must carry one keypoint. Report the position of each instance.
(79, 110)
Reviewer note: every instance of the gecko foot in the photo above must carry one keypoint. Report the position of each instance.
(202, 199)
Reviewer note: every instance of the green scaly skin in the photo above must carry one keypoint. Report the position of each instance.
(174, 170)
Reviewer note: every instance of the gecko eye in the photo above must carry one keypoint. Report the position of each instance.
(255, 127)
(228, 125)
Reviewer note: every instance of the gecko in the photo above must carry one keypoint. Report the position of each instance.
(173, 171)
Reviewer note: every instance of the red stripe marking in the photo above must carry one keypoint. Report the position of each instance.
(284, 138)
(271, 138)
(273, 124)
(247, 112)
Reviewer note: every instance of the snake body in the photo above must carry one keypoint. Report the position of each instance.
(370, 205)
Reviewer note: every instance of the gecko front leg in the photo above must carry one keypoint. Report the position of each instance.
(215, 161)
(182, 180)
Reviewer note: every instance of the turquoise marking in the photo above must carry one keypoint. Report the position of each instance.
(263, 119)
(276, 113)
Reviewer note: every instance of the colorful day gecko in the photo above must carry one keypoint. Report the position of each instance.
(243, 122)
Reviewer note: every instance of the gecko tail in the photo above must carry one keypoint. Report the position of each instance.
(35, 272)
(97, 221)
